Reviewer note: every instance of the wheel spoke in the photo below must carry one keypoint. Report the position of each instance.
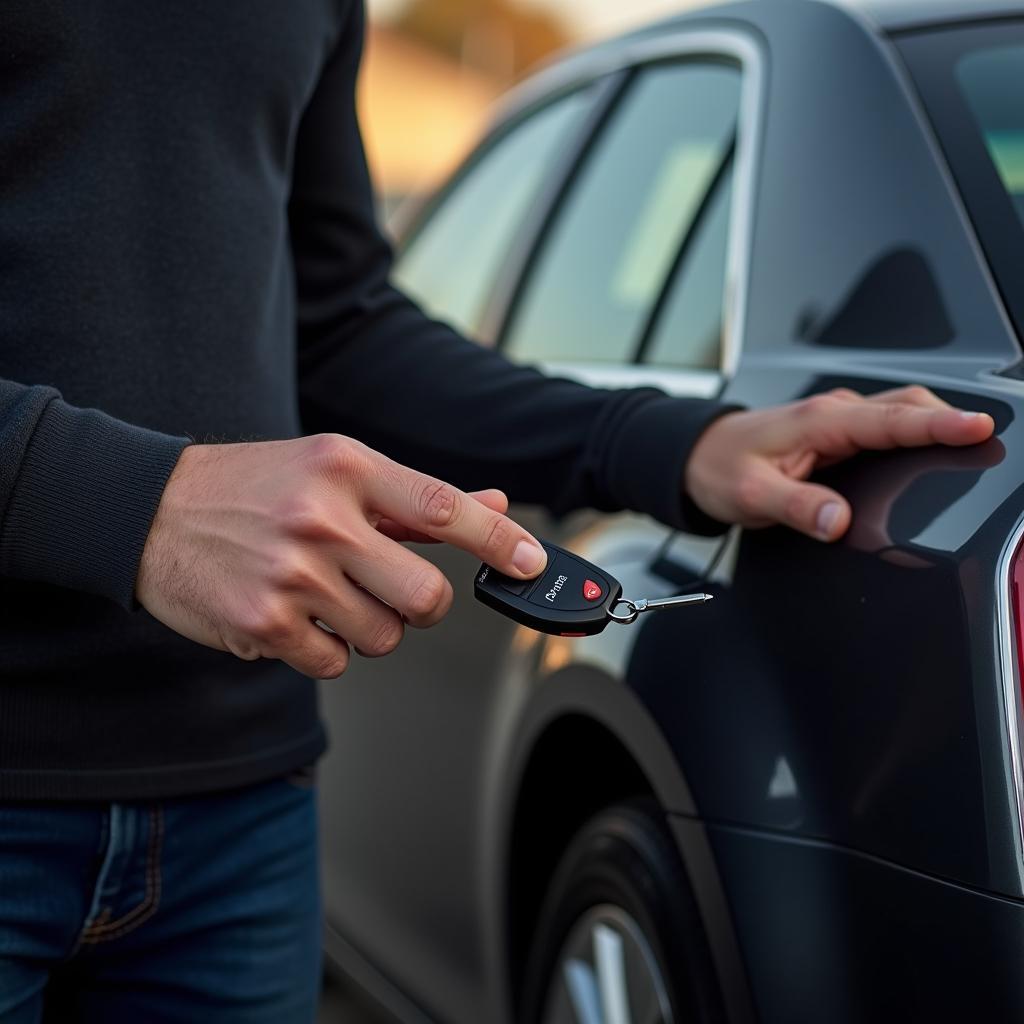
(606, 974)
(610, 959)
(582, 987)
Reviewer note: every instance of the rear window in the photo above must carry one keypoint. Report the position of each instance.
(993, 83)
(972, 82)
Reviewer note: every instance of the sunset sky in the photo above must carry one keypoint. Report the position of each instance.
(591, 17)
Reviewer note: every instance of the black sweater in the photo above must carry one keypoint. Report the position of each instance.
(188, 251)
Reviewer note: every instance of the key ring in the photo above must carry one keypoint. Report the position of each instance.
(629, 617)
(651, 604)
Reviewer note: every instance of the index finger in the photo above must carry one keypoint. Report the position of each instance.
(845, 428)
(432, 507)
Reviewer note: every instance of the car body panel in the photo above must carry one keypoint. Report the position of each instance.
(841, 937)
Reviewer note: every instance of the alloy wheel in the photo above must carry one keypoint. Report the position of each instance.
(606, 973)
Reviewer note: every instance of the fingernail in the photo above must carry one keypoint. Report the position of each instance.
(969, 415)
(828, 516)
(528, 557)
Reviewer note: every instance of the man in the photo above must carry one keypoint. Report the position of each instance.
(187, 243)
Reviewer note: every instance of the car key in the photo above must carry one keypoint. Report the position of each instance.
(572, 597)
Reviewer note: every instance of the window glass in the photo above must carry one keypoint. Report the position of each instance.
(600, 273)
(993, 82)
(689, 329)
(452, 262)
(971, 78)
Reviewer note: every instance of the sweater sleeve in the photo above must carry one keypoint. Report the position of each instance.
(372, 365)
(78, 492)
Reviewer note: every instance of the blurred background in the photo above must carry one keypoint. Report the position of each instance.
(433, 68)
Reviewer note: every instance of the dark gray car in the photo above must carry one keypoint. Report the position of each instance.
(802, 802)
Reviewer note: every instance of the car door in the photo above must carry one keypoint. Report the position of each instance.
(592, 235)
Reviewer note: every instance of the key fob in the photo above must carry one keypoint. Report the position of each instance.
(572, 597)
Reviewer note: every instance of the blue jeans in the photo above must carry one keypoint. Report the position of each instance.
(192, 910)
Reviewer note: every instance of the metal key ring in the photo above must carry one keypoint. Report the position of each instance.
(625, 620)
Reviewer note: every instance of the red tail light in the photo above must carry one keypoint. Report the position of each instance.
(1011, 574)
(1017, 605)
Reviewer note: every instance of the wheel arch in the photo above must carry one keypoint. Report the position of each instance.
(618, 751)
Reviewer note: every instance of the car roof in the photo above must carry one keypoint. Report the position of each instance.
(875, 15)
(892, 15)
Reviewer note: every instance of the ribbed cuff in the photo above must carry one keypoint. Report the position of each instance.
(84, 501)
(646, 460)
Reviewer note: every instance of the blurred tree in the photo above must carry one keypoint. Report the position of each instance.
(500, 37)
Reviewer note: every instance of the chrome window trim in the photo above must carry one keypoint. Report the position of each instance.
(743, 49)
(1012, 708)
(678, 383)
(714, 43)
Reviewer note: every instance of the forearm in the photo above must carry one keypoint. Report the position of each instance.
(78, 491)
(428, 398)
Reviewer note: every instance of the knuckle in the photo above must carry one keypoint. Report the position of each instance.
(386, 636)
(818, 405)
(844, 394)
(241, 647)
(292, 575)
(330, 666)
(263, 625)
(301, 518)
(894, 413)
(918, 393)
(427, 595)
(269, 626)
(439, 504)
(339, 456)
(498, 536)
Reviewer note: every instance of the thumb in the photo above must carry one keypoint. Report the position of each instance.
(809, 508)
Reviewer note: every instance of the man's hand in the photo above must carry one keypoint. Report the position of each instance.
(750, 467)
(253, 543)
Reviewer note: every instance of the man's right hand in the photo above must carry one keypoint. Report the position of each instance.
(252, 543)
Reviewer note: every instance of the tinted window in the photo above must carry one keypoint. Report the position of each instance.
(452, 262)
(972, 82)
(597, 279)
(993, 81)
(688, 331)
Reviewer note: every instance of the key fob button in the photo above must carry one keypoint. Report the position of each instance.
(565, 587)
(517, 587)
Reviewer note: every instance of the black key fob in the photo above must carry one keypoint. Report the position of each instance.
(572, 597)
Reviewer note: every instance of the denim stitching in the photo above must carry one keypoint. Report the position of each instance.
(104, 931)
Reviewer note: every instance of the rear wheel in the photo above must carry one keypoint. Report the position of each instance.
(619, 940)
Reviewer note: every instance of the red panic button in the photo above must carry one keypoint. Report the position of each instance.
(591, 591)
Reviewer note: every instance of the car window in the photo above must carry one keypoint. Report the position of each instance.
(596, 281)
(992, 81)
(688, 331)
(452, 262)
(971, 78)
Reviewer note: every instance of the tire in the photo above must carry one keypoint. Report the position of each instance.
(619, 926)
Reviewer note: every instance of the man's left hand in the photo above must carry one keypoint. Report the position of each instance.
(751, 468)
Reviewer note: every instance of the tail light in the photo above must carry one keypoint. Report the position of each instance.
(1012, 585)
(1017, 608)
